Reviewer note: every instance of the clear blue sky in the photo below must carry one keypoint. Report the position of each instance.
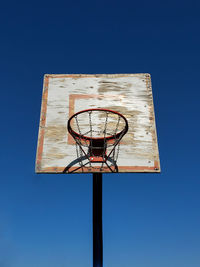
(150, 220)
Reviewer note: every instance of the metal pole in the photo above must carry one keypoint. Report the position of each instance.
(97, 221)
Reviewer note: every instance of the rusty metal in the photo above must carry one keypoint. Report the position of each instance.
(92, 144)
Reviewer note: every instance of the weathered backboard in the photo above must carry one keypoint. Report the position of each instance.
(129, 94)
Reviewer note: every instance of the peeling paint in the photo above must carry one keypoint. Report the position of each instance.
(129, 94)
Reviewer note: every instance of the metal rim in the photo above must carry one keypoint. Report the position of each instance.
(111, 137)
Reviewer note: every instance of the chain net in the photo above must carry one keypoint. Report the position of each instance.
(98, 139)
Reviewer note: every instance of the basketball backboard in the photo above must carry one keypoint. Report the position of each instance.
(128, 94)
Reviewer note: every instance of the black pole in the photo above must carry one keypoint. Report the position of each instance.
(97, 221)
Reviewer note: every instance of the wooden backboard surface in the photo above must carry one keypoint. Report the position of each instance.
(129, 94)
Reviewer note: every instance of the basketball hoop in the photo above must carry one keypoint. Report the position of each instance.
(97, 134)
